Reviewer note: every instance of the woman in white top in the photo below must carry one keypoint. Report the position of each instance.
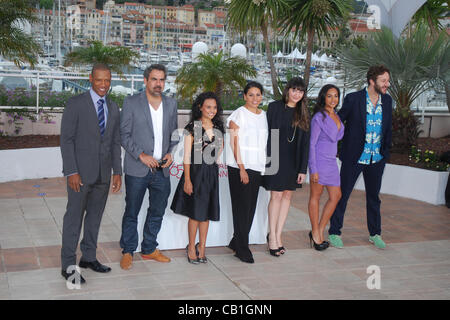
(248, 139)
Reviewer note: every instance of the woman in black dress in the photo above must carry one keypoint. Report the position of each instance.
(197, 193)
(287, 167)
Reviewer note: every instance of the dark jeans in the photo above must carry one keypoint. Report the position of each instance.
(372, 175)
(159, 190)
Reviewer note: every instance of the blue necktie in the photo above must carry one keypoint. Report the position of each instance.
(101, 115)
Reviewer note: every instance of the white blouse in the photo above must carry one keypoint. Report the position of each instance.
(253, 132)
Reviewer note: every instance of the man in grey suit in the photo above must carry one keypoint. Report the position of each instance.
(146, 125)
(90, 148)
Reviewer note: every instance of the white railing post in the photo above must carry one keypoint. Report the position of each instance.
(132, 84)
(37, 96)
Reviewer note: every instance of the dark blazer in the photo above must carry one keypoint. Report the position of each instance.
(302, 151)
(354, 115)
(136, 131)
(83, 149)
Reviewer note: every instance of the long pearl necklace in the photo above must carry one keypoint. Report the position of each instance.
(295, 128)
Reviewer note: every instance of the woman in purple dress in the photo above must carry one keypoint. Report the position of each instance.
(326, 130)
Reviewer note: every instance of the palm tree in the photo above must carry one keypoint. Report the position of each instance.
(15, 44)
(430, 13)
(116, 57)
(213, 72)
(259, 15)
(315, 17)
(414, 63)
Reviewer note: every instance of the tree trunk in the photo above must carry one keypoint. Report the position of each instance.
(219, 90)
(447, 93)
(309, 50)
(273, 73)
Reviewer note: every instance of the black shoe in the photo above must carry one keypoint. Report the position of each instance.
(273, 252)
(193, 261)
(282, 250)
(247, 259)
(95, 266)
(318, 247)
(245, 255)
(74, 278)
(200, 259)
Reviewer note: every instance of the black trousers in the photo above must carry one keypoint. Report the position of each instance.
(372, 175)
(243, 203)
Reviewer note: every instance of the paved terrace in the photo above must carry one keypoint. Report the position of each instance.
(415, 264)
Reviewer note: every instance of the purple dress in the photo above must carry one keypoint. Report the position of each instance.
(323, 149)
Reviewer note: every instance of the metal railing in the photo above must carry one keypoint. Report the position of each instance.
(35, 78)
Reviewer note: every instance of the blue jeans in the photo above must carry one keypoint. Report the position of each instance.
(159, 191)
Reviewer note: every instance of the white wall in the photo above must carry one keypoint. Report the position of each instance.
(403, 181)
(439, 122)
(35, 163)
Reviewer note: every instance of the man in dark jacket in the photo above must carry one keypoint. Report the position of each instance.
(367, 115)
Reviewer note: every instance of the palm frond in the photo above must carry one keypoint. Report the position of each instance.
(213, 72)
(413, 62)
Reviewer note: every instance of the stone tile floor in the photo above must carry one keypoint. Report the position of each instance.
(415, 264)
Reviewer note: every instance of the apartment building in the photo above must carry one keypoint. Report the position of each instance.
(215, 36)
(133, 29)
(173, 35)
(206, 17)
(186, 14)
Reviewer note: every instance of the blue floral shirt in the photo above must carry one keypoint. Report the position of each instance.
(371, 152)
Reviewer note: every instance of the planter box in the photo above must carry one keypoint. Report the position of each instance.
(33, 163)
(414, 183)
(418, 184)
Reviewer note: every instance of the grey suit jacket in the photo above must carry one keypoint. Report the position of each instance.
(136, 131)
(83, 149)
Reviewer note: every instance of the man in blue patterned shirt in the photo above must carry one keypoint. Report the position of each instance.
(367, 116)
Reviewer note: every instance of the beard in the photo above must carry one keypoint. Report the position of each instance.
(156, 92)
(378, 89)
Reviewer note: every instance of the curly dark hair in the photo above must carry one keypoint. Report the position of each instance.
(196, 113)
(375, 71)
(320, 104)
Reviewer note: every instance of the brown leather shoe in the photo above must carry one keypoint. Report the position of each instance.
(127, 261)
(155, 255)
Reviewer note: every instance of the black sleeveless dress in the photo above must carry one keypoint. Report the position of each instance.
(203, 203)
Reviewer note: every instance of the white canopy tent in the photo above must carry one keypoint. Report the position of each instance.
(279, 55)
(296, 54)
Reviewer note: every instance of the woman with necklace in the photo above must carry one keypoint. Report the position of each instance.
(248, 138)
(197, 193)
(326, 130)
(286, 170)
